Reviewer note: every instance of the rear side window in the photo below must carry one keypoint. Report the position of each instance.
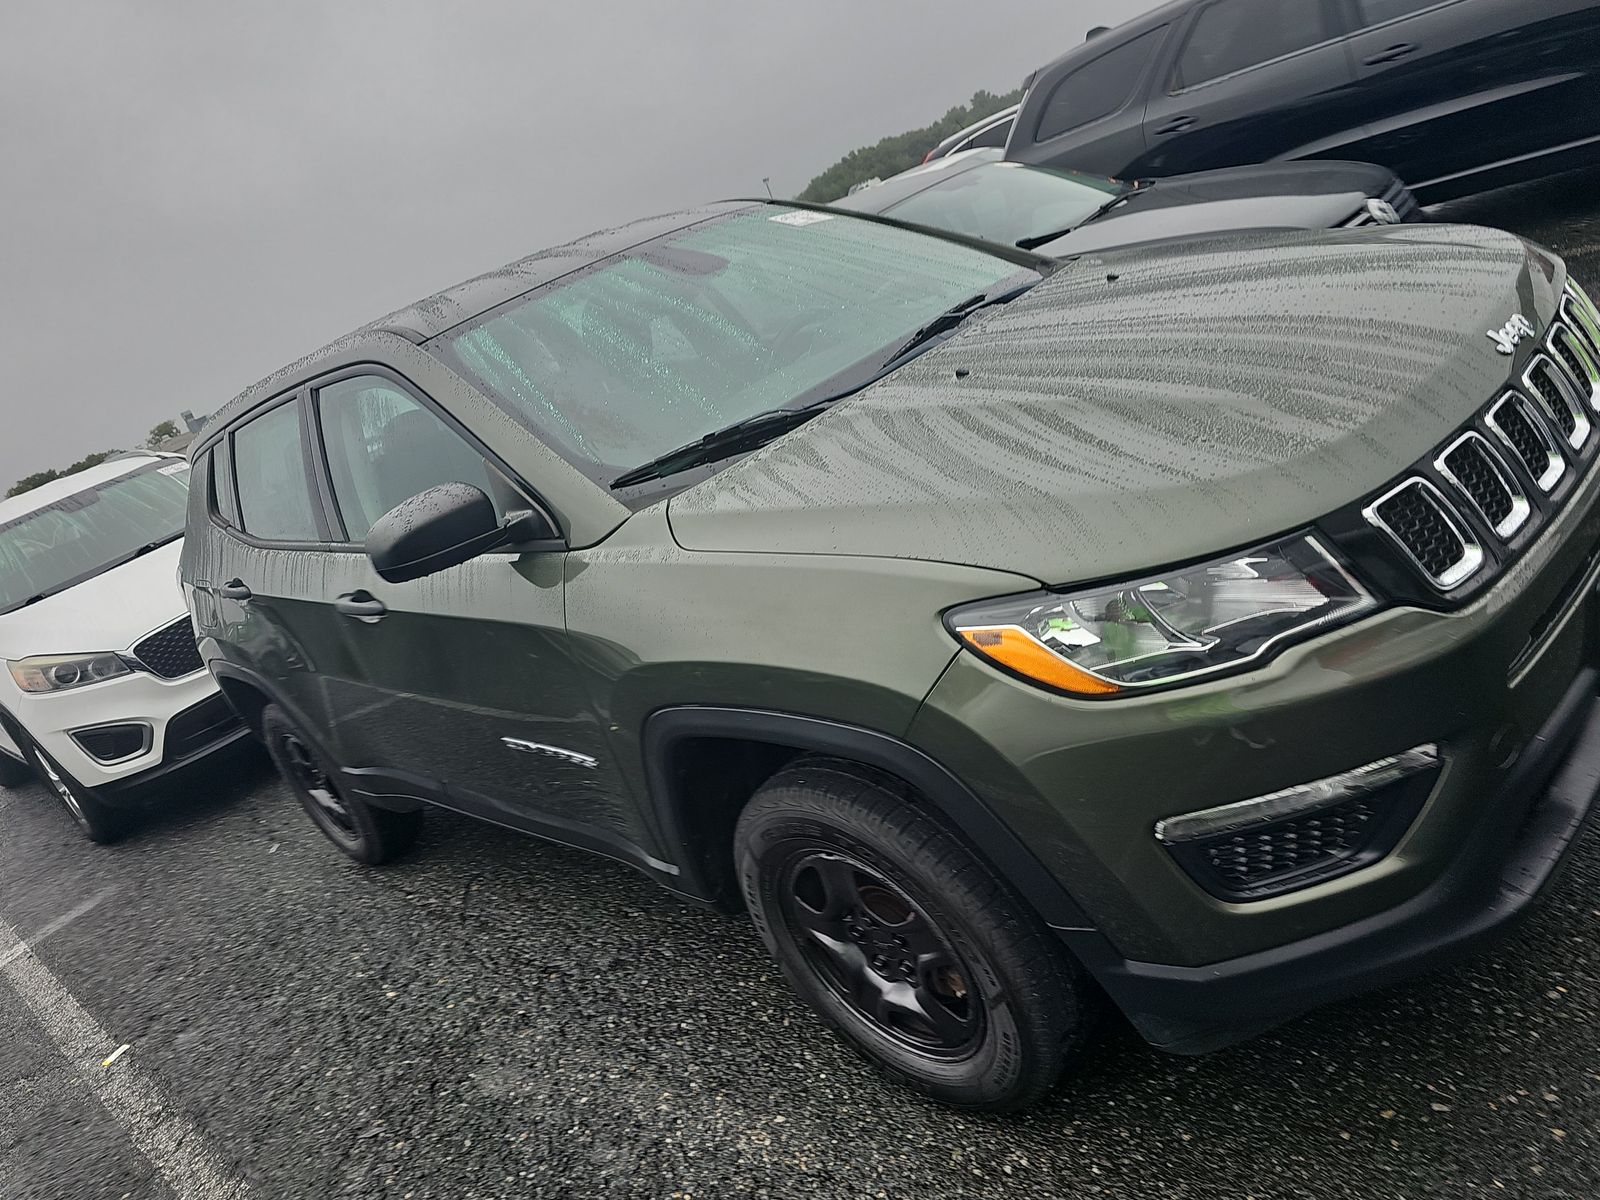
(1233, 35)
(384, 447)
(1099, 88)
(270, 468)
(995, 136)
(220, 463)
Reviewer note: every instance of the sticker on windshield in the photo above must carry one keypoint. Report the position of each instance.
(174, 469)
(801, 217)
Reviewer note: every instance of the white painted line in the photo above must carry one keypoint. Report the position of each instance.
(175, 1148)
(60, 923)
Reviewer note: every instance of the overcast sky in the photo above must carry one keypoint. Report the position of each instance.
(196, 192)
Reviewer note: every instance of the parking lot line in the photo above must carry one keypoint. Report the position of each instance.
(179, 1152)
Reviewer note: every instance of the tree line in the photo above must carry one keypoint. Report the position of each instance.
(27, 483)
(903, 151)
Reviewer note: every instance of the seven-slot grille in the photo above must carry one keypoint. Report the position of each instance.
(1514, 421)
(1558, 391)
(1417, 517)
(1472, 465)
(170, 653)
(1536, 432)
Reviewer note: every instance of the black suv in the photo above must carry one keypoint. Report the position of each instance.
(1454, 96)
(1214, 621)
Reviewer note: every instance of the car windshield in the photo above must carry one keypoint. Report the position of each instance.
(78, 536)
(695, 331)
(1008, 202)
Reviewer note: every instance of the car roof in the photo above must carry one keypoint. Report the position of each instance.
(884, 195)
(1109, 40)
(47, 494)
(461, 302)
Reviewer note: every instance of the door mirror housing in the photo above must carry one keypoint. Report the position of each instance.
(444, 527)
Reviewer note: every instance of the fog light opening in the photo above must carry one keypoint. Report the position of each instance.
(1304, 834)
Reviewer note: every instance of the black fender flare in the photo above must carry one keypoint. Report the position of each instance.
(969, 816)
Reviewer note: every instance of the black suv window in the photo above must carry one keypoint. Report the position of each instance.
(994, 136)
(384, 447)
(221, 467)
(1097, 89)
(1376, 12)
(270, 469)
(1232, 35)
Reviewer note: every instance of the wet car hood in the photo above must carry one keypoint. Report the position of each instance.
(112, 611)
(1138, 409)
(1271, 196)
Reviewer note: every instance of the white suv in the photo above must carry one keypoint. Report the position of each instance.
(104, 691)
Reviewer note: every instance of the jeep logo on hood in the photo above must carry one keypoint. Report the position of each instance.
(1509, 337)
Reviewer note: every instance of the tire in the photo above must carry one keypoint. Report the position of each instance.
(99, 821)
(905, 942)
(14, 773)
(367, 834)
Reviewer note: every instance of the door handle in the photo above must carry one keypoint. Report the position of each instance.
(363, 606)
(235, 589)
(1393, 54)
(1179, 124)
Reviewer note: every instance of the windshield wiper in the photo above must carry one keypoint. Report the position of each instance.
(754, 432)
(749, 434)
(944, 323)
(1117, 201)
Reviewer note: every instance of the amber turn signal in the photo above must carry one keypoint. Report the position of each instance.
(1017, 651)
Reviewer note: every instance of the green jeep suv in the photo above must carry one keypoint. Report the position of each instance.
(1209, 626)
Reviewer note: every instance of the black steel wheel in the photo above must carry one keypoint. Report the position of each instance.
(367, 834)
(881, 953)
(905, 941)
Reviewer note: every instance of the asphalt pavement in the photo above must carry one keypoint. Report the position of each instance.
(497, 1017)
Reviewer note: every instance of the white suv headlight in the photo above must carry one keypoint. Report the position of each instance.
(63, 672)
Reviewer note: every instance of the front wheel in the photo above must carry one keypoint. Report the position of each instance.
(99, 821)
(367, 834)
(14, 772)
(904, 941)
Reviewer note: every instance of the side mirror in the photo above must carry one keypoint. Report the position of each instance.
(440, 528)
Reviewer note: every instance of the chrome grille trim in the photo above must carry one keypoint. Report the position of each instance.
(1578, 308)
(1472, 557)
(1555, 466)
(1578, 347)
(1521, 509)
(1550, 369)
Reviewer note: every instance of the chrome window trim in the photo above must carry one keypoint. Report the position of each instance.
(1521, 509)
(1556, 467)
(1581, 425)
(1472, 556)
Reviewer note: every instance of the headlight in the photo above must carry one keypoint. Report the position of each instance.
(60, 673)
(1194, 622)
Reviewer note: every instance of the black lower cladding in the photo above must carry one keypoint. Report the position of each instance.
(1496, 876)
(1308, 848)
(199, 725)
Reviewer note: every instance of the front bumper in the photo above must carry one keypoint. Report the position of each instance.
(1502, 868)
(187, 718)
(1505, 687)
